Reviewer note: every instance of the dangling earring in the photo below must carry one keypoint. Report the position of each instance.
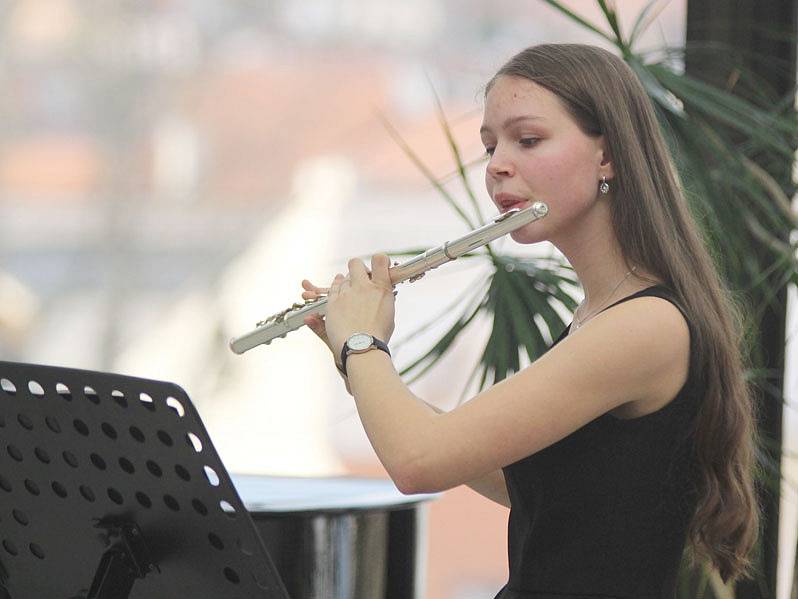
(604, 187)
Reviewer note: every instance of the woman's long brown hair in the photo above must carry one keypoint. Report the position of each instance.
(656, 231)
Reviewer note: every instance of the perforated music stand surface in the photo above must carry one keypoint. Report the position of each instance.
(84, 453)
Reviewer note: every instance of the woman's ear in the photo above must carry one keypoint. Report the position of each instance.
(606, 168)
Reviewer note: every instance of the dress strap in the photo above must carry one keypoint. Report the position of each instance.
(659, 291)
(654, 291)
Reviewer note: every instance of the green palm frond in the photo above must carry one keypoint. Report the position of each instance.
(523, 298)
(581, 20)
(742, 206)
(462, 170)
(425, 170)
(423, 363)
(645, 18)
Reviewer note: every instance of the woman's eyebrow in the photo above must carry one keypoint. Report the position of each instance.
(512, 120)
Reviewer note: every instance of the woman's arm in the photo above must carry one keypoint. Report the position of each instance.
(492, 485)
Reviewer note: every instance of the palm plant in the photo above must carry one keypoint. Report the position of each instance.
(742, 210)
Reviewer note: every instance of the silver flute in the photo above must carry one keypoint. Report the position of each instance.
(290, 319)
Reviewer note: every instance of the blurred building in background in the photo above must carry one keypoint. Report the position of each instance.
(170, 170)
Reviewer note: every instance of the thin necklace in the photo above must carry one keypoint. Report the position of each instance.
(578, 322)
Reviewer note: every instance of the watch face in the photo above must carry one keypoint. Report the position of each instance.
(359, 341)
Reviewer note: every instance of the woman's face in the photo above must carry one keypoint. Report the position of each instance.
(538, 152)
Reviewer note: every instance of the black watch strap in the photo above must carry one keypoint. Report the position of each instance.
(376, 344)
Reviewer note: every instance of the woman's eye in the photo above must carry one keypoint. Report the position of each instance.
(489, 151)
(528, 141)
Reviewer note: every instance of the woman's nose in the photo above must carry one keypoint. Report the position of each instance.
(499, 165)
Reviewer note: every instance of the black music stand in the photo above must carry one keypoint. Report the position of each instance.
(110, 488)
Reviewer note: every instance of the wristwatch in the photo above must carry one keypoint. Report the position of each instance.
(360, 343)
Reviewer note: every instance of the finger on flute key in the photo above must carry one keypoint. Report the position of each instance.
(311, 291)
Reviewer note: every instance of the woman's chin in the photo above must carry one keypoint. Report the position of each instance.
(526, 237)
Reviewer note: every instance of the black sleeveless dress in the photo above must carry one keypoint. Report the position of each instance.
(603, 513)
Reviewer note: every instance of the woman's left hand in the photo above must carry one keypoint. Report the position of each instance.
(361, 304)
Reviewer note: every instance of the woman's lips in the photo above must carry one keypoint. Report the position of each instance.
(508, 201)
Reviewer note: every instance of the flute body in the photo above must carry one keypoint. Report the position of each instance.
(279, 325)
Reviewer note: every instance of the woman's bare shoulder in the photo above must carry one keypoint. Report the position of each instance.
(667, 355)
